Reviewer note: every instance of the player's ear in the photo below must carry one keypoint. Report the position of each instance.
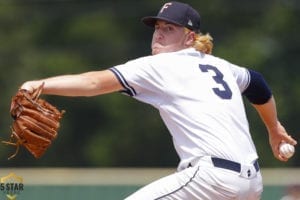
(190, 38)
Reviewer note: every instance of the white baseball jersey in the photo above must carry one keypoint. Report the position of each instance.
(199, 99)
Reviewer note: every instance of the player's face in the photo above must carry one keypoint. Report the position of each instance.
(169, 37)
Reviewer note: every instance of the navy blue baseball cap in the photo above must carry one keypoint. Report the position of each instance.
(177, 13)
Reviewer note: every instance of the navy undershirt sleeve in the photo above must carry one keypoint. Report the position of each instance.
(258, 91)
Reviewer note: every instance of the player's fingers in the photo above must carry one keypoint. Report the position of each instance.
(26, 87)
(275, 150)
(30, 86)
(289, 139)
(278, 155)
(281, 158)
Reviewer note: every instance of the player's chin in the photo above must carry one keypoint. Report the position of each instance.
(157, 48)
(155, 51)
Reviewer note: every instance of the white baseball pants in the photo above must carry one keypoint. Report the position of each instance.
(205, 181)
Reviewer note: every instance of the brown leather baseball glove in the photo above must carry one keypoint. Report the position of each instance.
(36, 122)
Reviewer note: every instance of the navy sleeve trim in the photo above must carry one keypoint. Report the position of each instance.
(258, 91)
(127, 88)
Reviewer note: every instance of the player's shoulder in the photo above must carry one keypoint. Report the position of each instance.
(156, 59)
(176, 56)
(219, 62)
(216, 60)
(185, 55)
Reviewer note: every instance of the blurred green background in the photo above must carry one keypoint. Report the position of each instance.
(41, 38)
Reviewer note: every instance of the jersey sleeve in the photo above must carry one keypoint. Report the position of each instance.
(141, 79)
(128, 89)
(132, 75)
(242, 76)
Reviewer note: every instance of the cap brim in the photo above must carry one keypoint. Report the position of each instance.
(151, 21)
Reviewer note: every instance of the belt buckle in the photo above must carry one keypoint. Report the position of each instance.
(248, 171)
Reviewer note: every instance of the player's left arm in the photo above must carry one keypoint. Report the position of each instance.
(260, 96)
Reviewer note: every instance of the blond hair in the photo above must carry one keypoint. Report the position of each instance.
(202, 43)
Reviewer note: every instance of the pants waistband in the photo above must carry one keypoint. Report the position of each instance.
(245, 170)
(231, 165)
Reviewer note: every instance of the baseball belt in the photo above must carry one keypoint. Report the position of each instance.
(231, 165)
(245, 170)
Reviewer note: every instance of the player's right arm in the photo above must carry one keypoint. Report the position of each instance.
(260, 96)
(276, 131)
(85, 84)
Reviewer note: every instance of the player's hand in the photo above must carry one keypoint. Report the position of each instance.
(30, 86)
(277, 135)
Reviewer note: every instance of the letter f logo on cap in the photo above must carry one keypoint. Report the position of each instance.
(165, 7)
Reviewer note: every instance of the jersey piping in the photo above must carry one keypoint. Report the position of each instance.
(127, 88)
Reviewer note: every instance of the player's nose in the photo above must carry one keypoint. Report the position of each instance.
(158, 35)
